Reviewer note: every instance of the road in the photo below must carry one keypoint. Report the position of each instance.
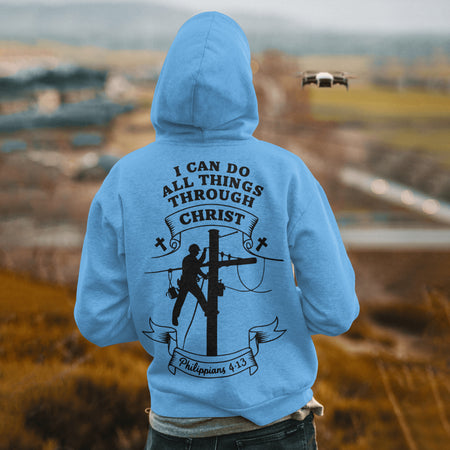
(396, 193)
(383, 238)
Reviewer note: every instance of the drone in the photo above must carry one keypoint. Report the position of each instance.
(325, 79)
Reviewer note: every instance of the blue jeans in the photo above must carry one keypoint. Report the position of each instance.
(287, 435)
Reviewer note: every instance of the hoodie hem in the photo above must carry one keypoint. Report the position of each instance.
(173, 405)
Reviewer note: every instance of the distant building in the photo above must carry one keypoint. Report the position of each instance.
(61, 97)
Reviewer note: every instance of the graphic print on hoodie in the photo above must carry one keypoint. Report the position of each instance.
(213, 204)
(237, 343)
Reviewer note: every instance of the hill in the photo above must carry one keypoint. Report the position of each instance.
(153, 26)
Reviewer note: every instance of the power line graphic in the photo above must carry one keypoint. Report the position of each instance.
(215, 288)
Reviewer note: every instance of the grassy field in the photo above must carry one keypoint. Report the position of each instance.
(384, 384)
(412, 120)
(369, 103)
(57, 390)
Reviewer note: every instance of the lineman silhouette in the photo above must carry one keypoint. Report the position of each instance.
(191, 268)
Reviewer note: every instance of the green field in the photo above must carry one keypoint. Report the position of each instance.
(413, 120)
(368, 103)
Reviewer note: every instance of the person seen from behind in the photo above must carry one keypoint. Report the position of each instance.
(233, 361)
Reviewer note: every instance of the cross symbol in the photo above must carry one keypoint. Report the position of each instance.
(159, 243)
(261, 243)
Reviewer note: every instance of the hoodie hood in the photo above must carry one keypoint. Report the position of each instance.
(205, 90)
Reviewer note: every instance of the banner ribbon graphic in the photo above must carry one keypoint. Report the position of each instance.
(211, 215)
(219, 366)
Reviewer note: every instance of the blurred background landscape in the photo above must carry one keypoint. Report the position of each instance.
(76, 87)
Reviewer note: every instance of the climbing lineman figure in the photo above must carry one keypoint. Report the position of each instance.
(191, 271)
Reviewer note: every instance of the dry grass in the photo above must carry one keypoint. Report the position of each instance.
(58, 390)
(384, 384)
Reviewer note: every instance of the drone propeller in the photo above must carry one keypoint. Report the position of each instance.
(339, 73)
(307, 73)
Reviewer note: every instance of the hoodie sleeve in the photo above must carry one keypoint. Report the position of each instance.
(102, 309)
(323, 269)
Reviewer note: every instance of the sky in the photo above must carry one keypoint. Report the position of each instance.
(344, 15)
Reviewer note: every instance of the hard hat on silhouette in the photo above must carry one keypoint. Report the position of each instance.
(194, 249)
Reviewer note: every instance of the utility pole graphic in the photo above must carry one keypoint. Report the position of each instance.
(213, 288)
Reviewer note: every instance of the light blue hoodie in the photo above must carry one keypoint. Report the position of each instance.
(239, 342)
